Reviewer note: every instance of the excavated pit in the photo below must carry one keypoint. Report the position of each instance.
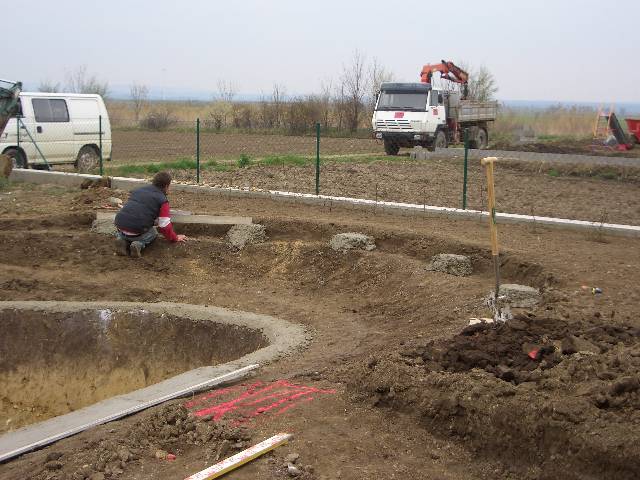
(52, 363)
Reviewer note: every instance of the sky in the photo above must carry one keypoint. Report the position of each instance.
(557, 50)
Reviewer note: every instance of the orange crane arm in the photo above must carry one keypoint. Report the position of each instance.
(448, 71)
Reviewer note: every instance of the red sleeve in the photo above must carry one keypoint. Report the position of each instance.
(164, 223)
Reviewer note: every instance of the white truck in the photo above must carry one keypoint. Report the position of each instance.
(57, 128)
(412, 114)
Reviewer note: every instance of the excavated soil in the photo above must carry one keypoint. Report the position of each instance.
(559, 396)
(117, 352)
(552, 394)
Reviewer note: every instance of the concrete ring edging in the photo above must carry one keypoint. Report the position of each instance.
(284, 338)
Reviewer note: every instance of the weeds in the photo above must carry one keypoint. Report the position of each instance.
(244, 161)
(554, 173)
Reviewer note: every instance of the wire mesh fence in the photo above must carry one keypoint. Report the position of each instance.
(198, 152)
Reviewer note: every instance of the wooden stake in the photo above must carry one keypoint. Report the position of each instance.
(488, 163)
(241, 458)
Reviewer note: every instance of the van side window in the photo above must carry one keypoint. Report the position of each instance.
(50, 110)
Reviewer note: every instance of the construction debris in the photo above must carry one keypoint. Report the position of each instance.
(518, 296)
(352, 241)
(239, 236)
(241, 458)
(452, 264)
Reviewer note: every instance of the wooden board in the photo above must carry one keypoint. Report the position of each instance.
(199, 219)
(241, 458)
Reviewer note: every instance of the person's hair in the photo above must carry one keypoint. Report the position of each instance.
(161, 180)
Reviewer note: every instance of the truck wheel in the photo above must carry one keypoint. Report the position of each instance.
(18, 159)
(440, 140)
(482, 139)
(391, 147)
(87, 160)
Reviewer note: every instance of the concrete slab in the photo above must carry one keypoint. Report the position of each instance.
(180, 218)
(284, 338)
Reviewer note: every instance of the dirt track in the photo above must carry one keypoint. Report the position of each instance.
(382, 327)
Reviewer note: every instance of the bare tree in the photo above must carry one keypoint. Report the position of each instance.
(226, 91)
(139, 96)
(482, 84)
(326, 86)
(277, 99)
(378, 74)
(80, 82)
(48, 86)
(355, 87)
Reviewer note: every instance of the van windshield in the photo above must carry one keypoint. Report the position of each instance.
(402, 100)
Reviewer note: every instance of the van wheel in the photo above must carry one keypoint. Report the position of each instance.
(482, 139)
(391, 147)
(18, 159)
(87, 160)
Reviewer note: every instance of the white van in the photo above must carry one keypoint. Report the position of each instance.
(58, 128)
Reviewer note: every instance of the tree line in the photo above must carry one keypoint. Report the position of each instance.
(344, 104)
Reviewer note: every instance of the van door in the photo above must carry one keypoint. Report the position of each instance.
(16, 132)
(84, 119)
(54, 133)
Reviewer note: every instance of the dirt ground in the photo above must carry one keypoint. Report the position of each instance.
(136, 145)
(133, 146)
(552, 394)
(607, 195)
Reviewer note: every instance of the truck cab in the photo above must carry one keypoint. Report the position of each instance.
(415, 114)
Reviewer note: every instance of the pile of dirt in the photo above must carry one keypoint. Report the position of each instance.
(352, 241)
(452, 264)
(563, 397)
(161, 434)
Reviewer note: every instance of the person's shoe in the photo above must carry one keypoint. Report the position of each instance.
(136, 249)
(121, 247)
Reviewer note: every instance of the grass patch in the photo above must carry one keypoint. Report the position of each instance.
(554, 173)
(244, 161)
(179, 164)
(276, 160)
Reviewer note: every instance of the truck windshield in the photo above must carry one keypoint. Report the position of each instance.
(390, 100)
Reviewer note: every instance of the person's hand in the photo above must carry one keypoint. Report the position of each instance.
(182, 238)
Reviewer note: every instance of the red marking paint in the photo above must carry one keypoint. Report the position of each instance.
(533, 354)
(243, 403)
(398, 115)
(435, 111)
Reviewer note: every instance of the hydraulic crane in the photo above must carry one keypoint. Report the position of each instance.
(448, 71)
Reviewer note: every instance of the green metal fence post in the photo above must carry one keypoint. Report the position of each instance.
(466, 157)
(197, 150)
(100, 139)
(318, 158)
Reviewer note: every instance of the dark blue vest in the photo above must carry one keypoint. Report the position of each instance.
(141, 210)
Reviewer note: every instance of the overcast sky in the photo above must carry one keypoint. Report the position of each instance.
(562, 50)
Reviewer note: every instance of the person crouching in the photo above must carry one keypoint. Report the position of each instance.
(136, 219)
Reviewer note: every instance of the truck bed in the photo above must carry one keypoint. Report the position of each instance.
(474, 111)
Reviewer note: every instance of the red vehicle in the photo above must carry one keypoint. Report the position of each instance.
(633, 125)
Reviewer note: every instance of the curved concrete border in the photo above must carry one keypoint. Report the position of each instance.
(284, 338)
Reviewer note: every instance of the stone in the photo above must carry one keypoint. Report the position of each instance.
(292, 458)
(104, 227)
(115, 201)
(352, 241)
(239, 236)
(293, 471)
(519, 296)
(452, 264)
(54, 465)
(53, 456)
